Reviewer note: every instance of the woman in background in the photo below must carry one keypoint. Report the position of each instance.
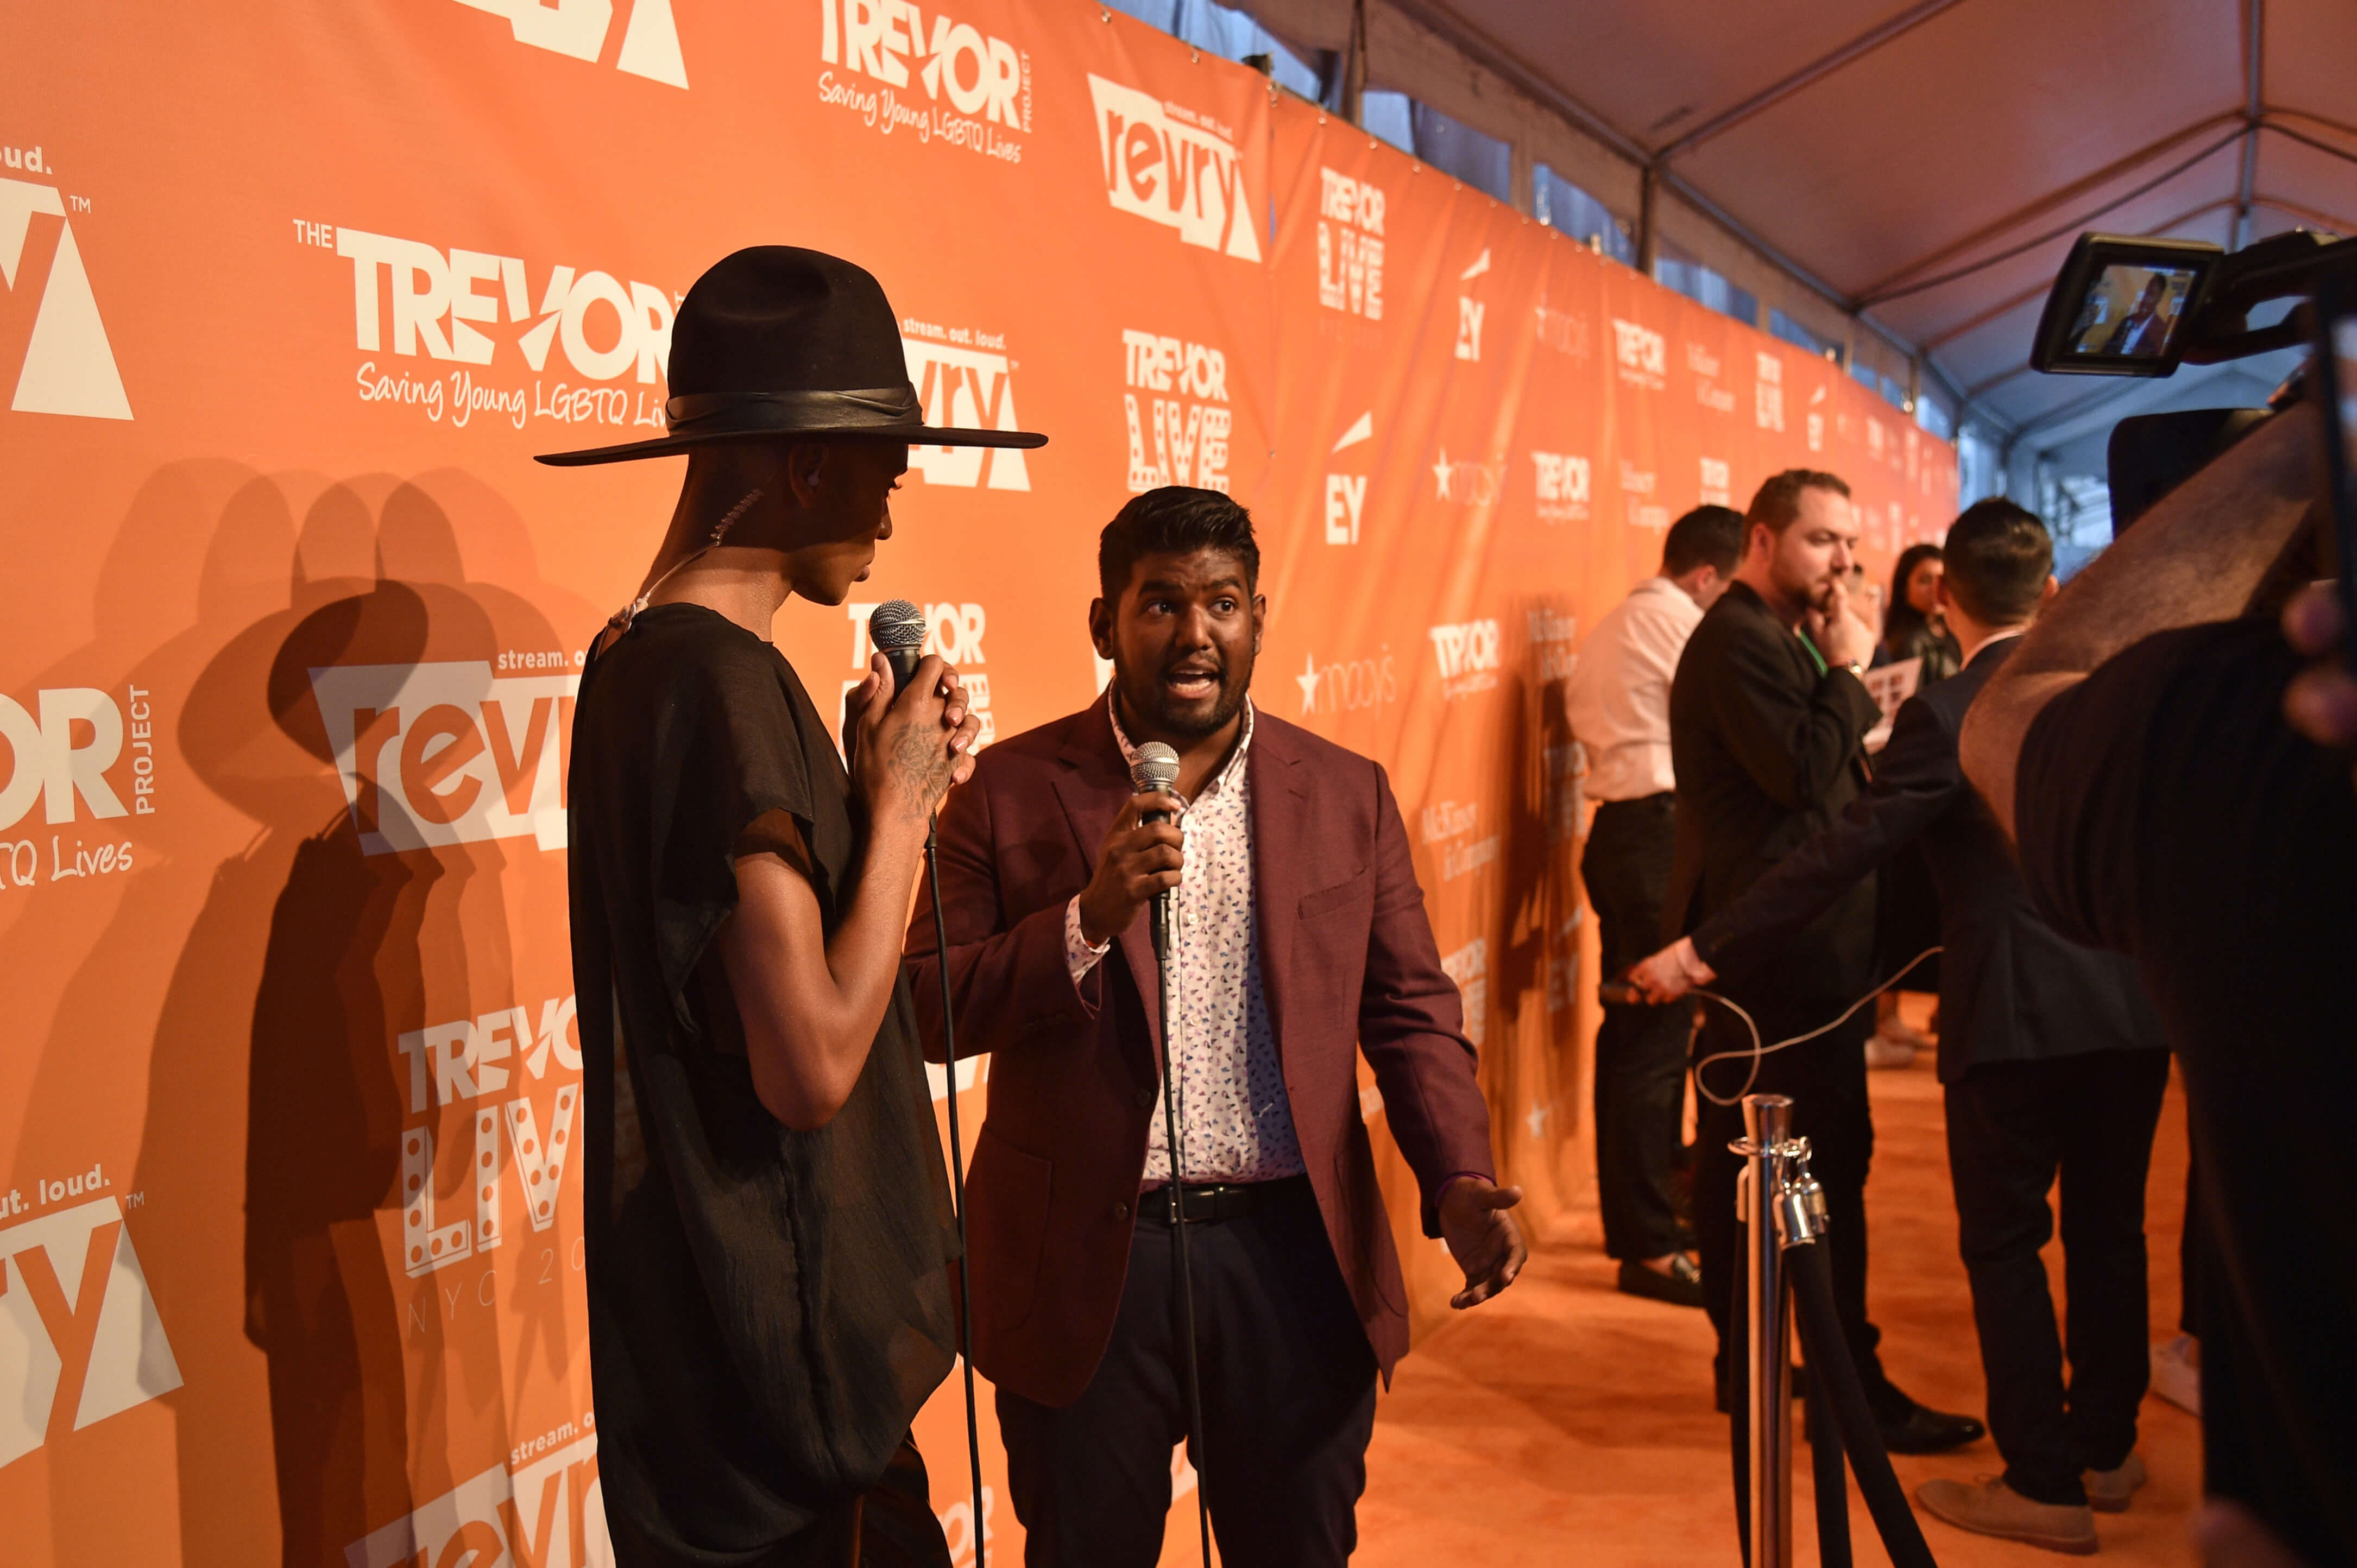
(1913, 629)
(1909, 913)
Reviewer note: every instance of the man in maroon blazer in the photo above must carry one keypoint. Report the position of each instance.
(1302, 934)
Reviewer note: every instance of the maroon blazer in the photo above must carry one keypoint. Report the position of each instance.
(1346, 959)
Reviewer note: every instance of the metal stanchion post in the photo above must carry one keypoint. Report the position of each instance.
(1767, 1125)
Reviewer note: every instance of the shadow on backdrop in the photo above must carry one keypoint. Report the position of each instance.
(272, 1080)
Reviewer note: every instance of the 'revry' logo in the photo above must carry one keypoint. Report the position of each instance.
(80, 1337)
(1169, 165)
(579, 28)
(69, 366)
(432, 755)
(964, 380)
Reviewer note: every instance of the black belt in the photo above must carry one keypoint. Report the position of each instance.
(1212, 1202)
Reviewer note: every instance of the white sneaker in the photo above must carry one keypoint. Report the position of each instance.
(2177, 1372)
(1882, 1051)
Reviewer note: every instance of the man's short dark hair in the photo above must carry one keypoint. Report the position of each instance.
(1778, 500)
(1707, 536)
(1998, 556)
(1176, 519)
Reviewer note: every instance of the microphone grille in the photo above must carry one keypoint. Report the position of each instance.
(1156, 767)
(895, 624)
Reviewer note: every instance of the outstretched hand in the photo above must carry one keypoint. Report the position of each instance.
(1481, 1236)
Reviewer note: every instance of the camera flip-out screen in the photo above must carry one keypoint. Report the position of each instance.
(2119, 307)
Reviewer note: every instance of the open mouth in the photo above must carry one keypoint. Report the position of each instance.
(1191, 682)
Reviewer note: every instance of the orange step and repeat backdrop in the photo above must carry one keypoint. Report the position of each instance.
(290, 1249)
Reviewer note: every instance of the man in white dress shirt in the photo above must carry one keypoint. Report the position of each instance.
(1617, 702)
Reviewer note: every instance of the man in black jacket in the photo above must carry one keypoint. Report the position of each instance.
(2052, 1058)
(1768, 717)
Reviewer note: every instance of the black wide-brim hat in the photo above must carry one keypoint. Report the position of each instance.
(777, 341)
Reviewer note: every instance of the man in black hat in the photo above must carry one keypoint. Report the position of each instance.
(767, 1221)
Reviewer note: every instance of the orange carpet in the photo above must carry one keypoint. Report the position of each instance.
(1564, 1422)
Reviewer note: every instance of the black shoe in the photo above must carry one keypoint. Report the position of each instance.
(1681, 1286)
(1924, 1431)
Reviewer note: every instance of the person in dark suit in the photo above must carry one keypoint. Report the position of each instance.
(1303, 944)
(2052, 1058)
(1768, 716)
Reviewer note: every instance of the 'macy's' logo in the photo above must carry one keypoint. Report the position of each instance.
(579, 28)
(69, 365)
(1164, 163)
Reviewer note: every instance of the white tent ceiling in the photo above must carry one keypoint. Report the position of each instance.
(1930, 163)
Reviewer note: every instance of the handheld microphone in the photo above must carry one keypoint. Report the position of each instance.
(1157, 768)
(896, 627)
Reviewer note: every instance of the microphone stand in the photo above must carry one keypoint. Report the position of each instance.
(1166, 944)
(957, 1181)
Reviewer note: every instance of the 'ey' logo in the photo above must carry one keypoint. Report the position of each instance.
(1469, 311)
(68, 367)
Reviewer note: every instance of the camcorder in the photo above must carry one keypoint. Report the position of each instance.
(2124, 306)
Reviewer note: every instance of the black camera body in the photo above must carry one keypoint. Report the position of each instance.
(2128, 307)
(2124, 306)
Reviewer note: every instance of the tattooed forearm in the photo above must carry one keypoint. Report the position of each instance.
(920, 764)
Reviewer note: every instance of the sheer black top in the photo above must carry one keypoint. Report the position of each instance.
(768, 1308)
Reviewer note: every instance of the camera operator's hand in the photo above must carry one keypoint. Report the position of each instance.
(1138, 860)
(2321, 700)
(1840, 636)
(1671, 972)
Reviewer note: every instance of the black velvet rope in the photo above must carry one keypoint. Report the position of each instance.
(1832, 1377)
